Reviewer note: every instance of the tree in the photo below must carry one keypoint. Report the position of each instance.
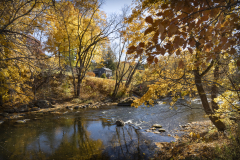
(109, 59)
(19, 51)
(80, 35)
(198, 34)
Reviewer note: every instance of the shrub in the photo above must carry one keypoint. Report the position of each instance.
(90, 74)
(103, 75)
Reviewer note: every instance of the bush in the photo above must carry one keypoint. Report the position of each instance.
(103, 75)
(90, 74)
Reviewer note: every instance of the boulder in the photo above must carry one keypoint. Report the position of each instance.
(43, 104)
(35, 109)
(127, 101)
(76, 107)
(156, 126)
(31, 105)
(23, 108)
(5, 114)
(120, 123)
(9, 110)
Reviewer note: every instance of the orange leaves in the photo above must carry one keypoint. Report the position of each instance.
(150, 59)
(131, 49)
(224, 40)
(181, 64)
(232, 51)
(141, 44)
(208, 47)
(149, 30)
(161, 28)
(173, 28)
(202, 41)
(149, 20)
(192, 42)
(204, 18)
(238, 63)
(178, 52)
(190, 50)
(214, 12)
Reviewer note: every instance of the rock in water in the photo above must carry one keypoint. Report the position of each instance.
(1, 122)
(127, 101)
(43, 104)
(119, 123)
(156, 126)
(162, 130)
(20, 121)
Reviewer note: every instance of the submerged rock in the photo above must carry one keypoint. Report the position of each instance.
(120, 123)
(1, 122)
(156, 126)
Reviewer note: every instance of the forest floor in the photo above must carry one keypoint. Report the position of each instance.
(200, 140)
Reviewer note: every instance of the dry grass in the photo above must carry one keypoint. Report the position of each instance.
(206, 143)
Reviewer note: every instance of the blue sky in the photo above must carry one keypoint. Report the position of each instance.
(114, 6)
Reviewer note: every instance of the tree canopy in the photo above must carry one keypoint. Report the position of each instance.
(202, 36)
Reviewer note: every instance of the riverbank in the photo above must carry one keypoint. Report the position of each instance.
(201, 140)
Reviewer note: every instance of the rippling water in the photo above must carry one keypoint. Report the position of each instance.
(92, 134)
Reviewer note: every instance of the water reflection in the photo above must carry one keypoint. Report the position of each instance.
(70, 138)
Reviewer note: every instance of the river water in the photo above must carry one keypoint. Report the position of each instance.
(92, 134)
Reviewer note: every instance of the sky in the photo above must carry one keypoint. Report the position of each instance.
(114, 6)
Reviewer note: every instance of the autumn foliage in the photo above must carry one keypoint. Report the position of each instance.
(192, 43)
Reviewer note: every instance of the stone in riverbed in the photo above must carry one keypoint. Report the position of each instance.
(127, 101)
(20, 121)
(156, 126)
(35, 109)
(9, 110)
(43, 104)
(120, 123)
(1, 122)
(162, 130)
(76, 107)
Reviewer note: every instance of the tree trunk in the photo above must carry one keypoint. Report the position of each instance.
(78, 85)
(215, 120)
(130, 76)
(214, 89)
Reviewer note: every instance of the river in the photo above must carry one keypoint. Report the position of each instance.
(92, 133)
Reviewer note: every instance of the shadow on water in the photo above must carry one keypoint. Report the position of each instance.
(91, 133)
